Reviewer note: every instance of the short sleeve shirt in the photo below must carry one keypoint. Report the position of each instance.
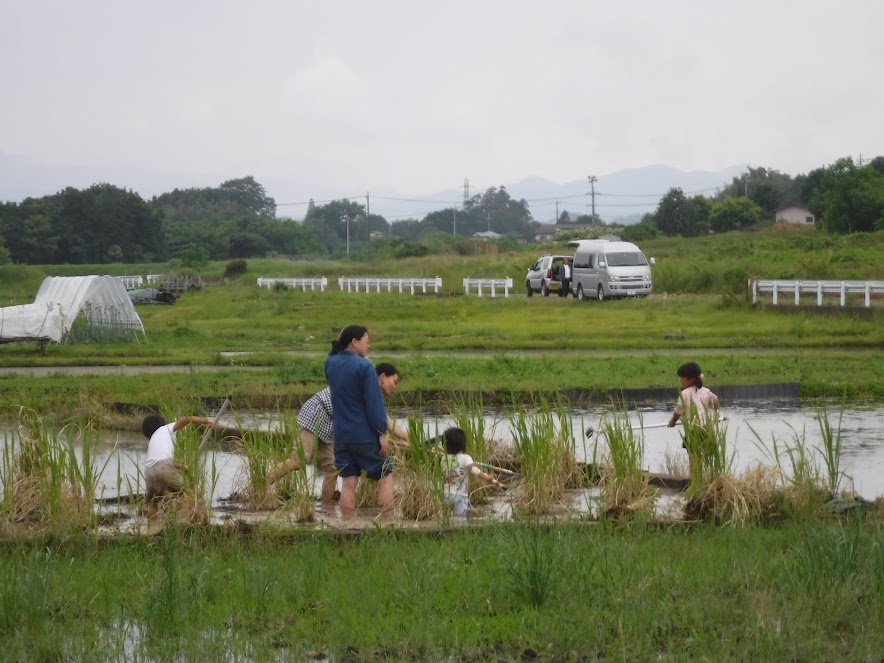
(456, 469)
(161, 445)
(692, 399)
(316, 415)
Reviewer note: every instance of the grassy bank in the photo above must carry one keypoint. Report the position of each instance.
(454, 343)
(438, 381)
(575, 592)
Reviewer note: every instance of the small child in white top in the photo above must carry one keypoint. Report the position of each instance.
(457, 465)
(695, 399)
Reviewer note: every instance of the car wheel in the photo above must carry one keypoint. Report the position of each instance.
(580, 294)
(601, 294)
(544, 290)
(528, 288)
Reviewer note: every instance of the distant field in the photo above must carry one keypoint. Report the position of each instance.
(465, 343)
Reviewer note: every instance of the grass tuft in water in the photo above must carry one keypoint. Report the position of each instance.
(544, 444)
(418, 481)
(624, 483)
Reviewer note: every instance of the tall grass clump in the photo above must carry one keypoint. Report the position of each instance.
(419, 481)
(837, 563)
(624, 484)
(469, 415)
(714, 493)
(192, 506)
(545, 450)
(800, 485)
(831, 451)
(264, 451)
(535, 565)
(50, 474)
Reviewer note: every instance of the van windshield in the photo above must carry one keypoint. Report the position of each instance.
(631, 259)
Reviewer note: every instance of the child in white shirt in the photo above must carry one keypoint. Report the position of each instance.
(457, 465)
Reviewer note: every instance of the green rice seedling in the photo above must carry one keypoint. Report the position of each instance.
(624, 484)
(191, 506)
(419, 481)
(53, 484)
(831, 451)
(468, 413)
(261, 452)
(706, 444)
(296, 486)
(546, 458)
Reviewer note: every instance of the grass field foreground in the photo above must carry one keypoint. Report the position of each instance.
(575, 592)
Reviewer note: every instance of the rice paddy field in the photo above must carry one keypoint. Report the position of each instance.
(610, 542)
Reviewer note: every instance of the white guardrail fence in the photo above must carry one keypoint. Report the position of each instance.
(351, 284)
(818, 288)
(303, 284)
(130, 282)
(493, 285)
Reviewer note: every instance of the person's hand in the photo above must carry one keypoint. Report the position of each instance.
(385, 445)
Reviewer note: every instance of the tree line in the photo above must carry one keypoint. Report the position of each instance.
(844, 197)
(105, 223)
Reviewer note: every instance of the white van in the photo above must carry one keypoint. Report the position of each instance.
(602, 268)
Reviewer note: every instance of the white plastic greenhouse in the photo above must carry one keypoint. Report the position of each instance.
(102, 301)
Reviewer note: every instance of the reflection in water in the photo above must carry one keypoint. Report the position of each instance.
(751, 429)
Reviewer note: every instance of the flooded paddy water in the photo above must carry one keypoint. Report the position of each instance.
(752, 429)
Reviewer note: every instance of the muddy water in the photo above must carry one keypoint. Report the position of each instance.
(751, 430)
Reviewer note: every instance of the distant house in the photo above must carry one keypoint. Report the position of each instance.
(546, 231)
(485, 235)
(796, 214)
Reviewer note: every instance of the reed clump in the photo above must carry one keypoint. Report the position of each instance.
(468, 413)
(810, 476)
(297, 487)
(200, 476)
(544, 443)
(418, 484)
(45, 480)
(625, 488)
(729, 500)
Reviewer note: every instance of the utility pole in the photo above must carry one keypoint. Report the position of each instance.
(592, 181)
(367, 204)
(557, 211)
(367, 213)
(466, 191)
(453, 220)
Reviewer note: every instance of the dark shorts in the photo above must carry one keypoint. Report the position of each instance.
(352, 459)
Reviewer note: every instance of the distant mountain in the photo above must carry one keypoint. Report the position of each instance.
(622, 196)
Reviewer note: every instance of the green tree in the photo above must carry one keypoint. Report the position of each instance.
(673, 213)
(734, 214)
(768, 188)
(330, 223)
(850, 198)
(699, 209)
(250, 195)
(194, 256)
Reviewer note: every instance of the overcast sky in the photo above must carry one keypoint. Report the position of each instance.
(414, 96)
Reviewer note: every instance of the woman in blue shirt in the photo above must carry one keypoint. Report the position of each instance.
(359, 421)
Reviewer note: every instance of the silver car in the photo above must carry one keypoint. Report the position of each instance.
(545, 275)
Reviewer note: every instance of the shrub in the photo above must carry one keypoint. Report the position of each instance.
(235, 268)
